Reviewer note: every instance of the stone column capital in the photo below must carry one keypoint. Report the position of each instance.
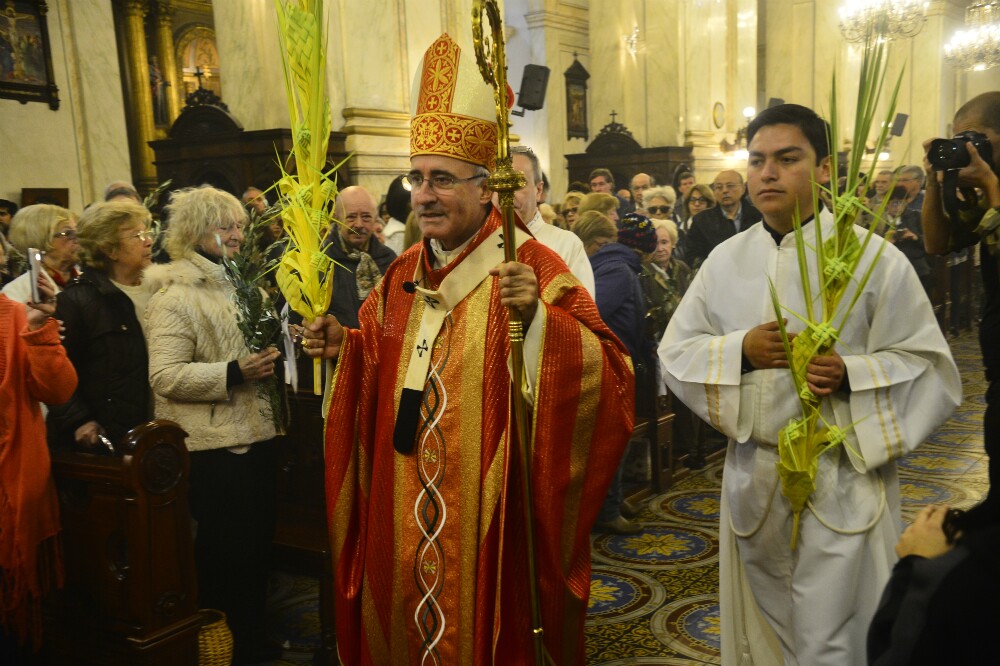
(134, 7)
(165, 13)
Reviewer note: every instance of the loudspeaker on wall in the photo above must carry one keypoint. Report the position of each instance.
(533, 84)
(899, 124)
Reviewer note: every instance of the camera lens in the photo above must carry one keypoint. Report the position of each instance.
(946, 154)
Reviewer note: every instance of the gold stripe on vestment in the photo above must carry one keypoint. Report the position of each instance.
(891, 410)
(878, 409)
(466, 410)
(585, 423)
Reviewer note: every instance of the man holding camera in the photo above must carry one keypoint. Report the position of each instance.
(977, 129)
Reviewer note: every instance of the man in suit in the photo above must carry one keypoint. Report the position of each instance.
(733, 215)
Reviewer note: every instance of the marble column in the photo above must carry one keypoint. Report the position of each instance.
(553, 39)
(141, 97)
(720, 80)
(168, 57)
(610, 64)
(663, 89)
(253, 86)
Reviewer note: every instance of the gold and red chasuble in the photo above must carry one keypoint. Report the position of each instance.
(428, 546)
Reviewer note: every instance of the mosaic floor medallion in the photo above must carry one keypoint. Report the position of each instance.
(691, 627)
(713, 474)
(618, 595)
(700, 506)
(658, 547)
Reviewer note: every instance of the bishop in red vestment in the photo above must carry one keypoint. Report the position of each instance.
(424, 501)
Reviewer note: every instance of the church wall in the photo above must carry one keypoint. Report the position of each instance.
(799, 70)
(548, 33)
(83, 145)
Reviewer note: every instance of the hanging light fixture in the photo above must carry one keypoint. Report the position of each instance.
(632, 41)
(883, 19)
(978, 46)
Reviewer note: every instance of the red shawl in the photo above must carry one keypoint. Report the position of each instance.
(33, 368)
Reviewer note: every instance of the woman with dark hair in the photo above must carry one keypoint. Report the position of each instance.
(699, 198)
(102, 310)
(397, 206)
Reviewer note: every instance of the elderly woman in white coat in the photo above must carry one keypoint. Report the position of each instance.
(204, 378)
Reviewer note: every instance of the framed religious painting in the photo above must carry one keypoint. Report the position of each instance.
(26, 53)
(576, 100)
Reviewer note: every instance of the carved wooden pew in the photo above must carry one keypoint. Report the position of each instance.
(130, 595)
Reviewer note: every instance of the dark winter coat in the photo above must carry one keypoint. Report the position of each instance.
(711, 227)
(619, 296)
(344, 301)
(107, 347)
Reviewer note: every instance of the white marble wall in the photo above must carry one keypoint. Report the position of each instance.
(253, 87)
(83, 146)
(663, 89)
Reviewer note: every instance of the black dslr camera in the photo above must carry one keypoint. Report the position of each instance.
(951, 154)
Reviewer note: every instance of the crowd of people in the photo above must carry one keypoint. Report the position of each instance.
(625, 295)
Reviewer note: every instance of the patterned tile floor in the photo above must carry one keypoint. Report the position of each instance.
(654, 596)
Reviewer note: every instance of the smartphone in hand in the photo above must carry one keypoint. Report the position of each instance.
(35, 268)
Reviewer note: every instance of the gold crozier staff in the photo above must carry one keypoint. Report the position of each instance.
(505, 181)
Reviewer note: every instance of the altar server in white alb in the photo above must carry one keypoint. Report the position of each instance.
(890, 381)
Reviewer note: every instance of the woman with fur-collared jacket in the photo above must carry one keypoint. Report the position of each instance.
(204, 378)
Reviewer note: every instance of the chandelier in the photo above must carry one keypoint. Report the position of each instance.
(882, 19)
(978, 46)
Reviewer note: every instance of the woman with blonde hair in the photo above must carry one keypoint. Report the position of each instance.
(102, 310)
(595, 231)
(51, 229)
(570, 208)
(205, 378)
(549, 215)
(604, 203)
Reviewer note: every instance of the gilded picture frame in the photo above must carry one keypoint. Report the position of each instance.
(576, 101)
(26, 53)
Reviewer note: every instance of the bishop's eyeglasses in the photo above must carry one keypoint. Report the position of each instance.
(441, 182)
